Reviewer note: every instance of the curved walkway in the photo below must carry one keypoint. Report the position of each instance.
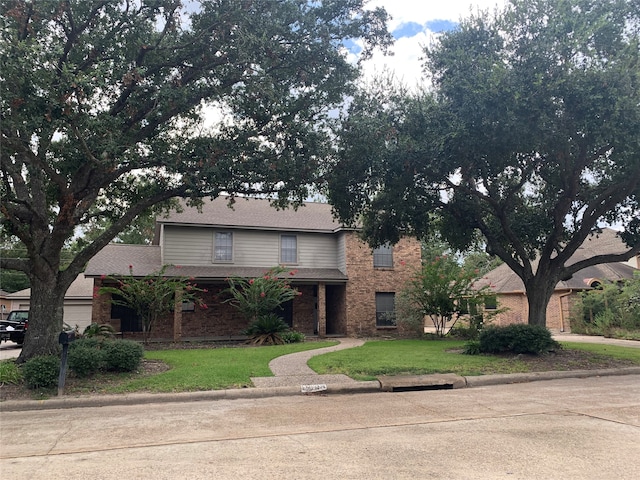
(292, 370)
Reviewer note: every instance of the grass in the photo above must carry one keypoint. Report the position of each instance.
(419, 357)
(208, 369)
(615, 351)
(221, 368)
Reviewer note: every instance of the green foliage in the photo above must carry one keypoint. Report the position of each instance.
(122, 355)
(610, 310)
(85, 360)
(469, 330)
(517, 338)
(112, 98)
(41, 371)
(267, 330)
(441, 290)
(87, 342)
(257, 297)
(98, 330)
(472, 347)
(292, 337)
(9, 372)
(152, 295)
(525, 104)
(409, 316)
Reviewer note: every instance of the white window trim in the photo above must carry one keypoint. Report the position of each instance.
(282, 261)
(214, 247)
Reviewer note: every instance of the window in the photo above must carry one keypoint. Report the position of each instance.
(188, 307)
(490, 302)
(383, 256)
(385, 310)
(223, 247)
(129, 320)
(288, 249)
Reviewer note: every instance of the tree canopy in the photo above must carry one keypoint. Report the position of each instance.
(111, 107)
(529, 134)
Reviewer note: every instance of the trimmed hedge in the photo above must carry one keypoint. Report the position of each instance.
(41, 372)
(517, 338)
(122, 355)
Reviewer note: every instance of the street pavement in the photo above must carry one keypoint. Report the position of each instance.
(572, 428)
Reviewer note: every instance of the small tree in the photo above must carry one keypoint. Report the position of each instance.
(258, 298)
(152, 296)
(443, 291)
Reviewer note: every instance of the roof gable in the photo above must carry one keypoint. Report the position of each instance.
(252, 213)
(503, 280)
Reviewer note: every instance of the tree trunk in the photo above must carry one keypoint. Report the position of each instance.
(539, 292)
(45, 317)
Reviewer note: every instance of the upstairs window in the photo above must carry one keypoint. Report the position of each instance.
(288, 249)
(223, 247)
(383, 256)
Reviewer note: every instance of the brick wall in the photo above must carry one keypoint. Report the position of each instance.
(219, 320)
(558, 310)
(365, 281)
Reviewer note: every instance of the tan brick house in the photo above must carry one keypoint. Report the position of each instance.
(511, 297)
(347, 289)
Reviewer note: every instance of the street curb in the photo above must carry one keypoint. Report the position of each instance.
(255, 393)
(504, 379)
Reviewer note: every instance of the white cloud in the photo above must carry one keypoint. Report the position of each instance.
(405, 62)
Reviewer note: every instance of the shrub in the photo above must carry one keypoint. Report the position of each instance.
(9, 372)
(87, 342)
(517, 338)
(41, 372)
(267, 330)
(85, 360)
(472, 347)
(292, 337)
(98, 330)
(122, 355)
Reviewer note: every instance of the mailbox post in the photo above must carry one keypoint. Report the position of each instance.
(64, 339)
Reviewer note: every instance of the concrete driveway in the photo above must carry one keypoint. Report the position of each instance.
(559, 429)
(9, 350)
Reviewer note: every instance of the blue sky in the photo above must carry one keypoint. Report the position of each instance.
(415, 24)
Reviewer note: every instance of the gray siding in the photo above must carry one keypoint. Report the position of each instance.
(194, 246)
(342, 252)
(187, 246)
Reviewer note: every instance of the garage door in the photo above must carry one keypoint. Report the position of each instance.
(78, 315)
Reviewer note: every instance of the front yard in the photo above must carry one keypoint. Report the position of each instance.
(206, 368)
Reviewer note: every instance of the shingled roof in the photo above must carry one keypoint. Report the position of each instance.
(256, 214)
(503, 280)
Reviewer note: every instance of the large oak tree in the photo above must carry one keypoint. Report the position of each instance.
(103, 109)
(529, 134)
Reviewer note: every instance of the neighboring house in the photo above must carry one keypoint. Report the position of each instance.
(510, 294)
(5, 304)
(346, 288)
(78, 302)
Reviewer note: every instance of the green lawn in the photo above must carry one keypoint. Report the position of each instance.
(418, 357)
(221, 368)
(211, 369)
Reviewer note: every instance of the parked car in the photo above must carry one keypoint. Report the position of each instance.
(15, 326)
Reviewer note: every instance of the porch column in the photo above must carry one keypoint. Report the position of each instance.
(177, 317)
(322, 310)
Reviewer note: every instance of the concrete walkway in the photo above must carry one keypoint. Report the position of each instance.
(292, 370)
(573, 337)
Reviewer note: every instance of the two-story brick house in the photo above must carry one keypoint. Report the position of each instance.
(347, 289)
